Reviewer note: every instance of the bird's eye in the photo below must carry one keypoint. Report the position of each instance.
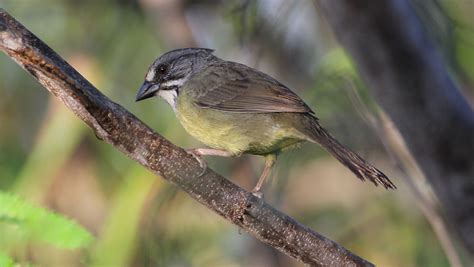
(162, 69)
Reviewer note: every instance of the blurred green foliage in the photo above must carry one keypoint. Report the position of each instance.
(22, 223)
(6, 261)
(50, 157)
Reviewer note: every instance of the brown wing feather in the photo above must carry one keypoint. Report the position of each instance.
(241, 89)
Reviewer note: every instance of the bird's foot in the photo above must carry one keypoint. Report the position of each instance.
(257, 193)
(198, 156)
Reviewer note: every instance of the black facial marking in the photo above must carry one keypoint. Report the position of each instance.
(169, 88)
(161, 71)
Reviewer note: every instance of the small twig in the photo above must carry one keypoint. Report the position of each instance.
(118, 127)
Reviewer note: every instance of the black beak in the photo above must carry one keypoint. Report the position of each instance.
(147, 90)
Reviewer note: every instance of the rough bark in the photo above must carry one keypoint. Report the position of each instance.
(408, 77)
(118, 127)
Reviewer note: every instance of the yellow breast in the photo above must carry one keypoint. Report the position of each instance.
(235, 132)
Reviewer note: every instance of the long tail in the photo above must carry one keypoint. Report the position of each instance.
(351, 160)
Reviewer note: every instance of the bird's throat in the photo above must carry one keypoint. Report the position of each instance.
(170, 96)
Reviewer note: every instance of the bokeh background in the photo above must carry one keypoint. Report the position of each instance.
(48, 156)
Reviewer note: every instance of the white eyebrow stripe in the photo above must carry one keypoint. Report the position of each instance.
(150, 75)
(171, 83)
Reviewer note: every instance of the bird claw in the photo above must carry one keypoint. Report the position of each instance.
(199, 158)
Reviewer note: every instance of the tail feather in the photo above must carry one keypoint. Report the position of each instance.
(351, 160)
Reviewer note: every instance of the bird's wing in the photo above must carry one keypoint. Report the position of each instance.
(241, 89)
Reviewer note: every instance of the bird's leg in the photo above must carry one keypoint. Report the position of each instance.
(270, 160)
(210, 152)
(197, 153)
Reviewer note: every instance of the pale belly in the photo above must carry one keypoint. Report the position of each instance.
(238, 132)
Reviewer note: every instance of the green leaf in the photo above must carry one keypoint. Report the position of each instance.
(39, 224)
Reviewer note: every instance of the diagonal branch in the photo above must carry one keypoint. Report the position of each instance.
(118, 127)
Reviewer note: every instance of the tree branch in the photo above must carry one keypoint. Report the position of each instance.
(404, 70)
(118, 127)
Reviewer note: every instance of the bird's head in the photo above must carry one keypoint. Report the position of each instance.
(172, 70)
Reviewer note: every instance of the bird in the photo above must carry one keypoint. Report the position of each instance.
(234, 109)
